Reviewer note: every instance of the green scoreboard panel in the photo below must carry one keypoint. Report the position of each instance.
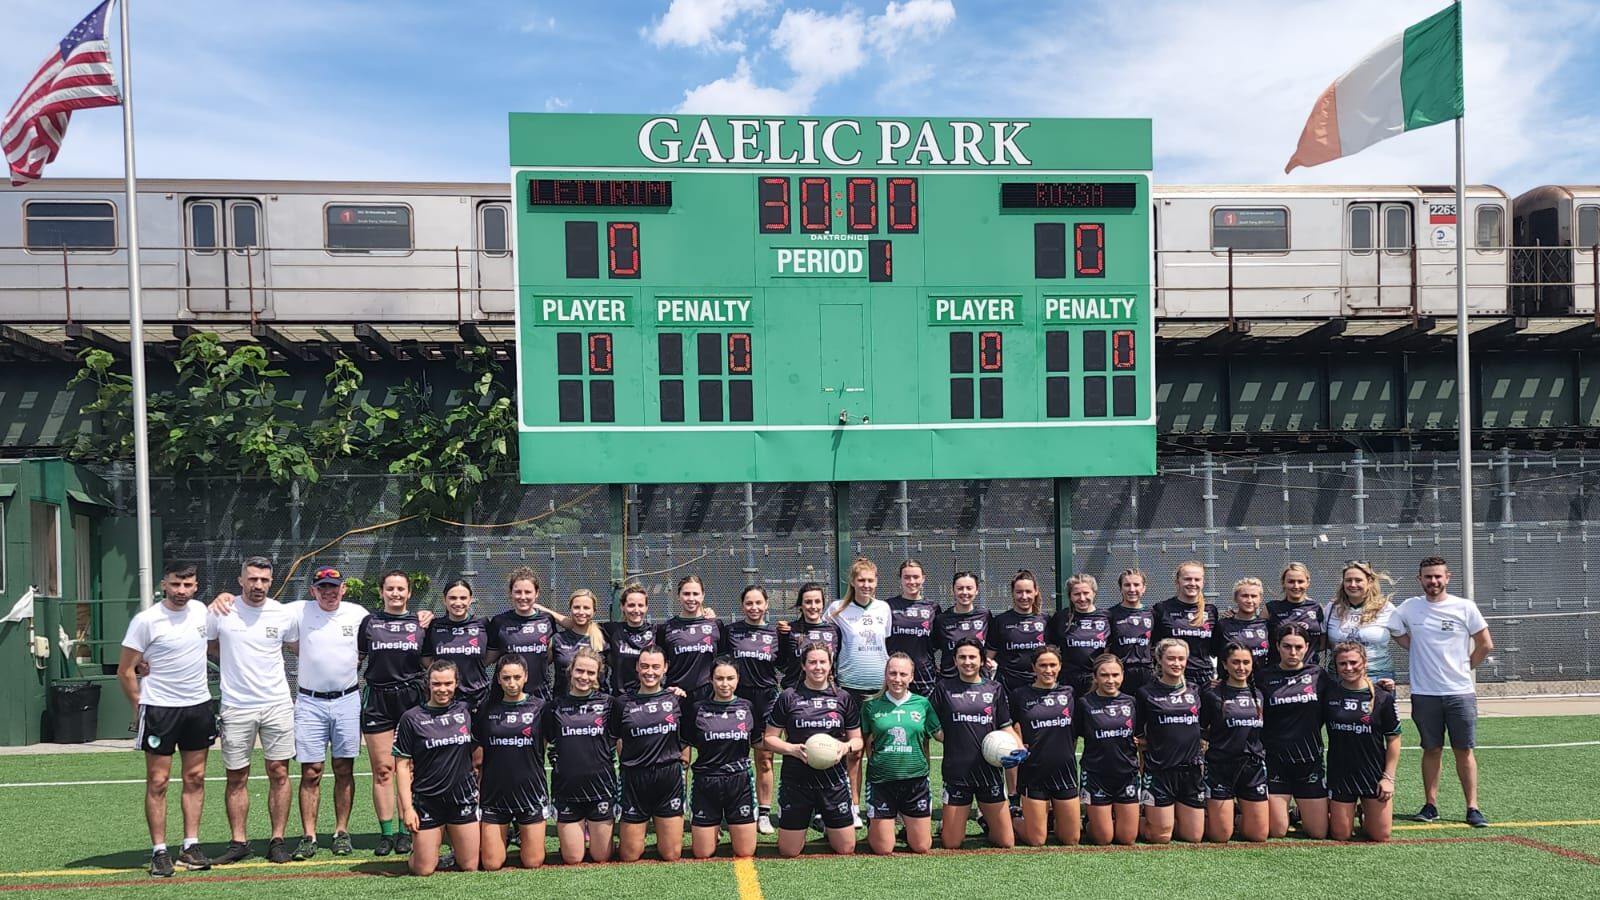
(716, 299)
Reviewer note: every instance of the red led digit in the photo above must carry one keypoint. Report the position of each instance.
(862, 198)
(989, 358)
(1089, 249)
(816, 204)
(1122, 356)
(739, 361)
(600, 353)
(622, 249)
(774, 212)
(903, 204)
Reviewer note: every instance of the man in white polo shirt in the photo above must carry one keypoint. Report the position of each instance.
(1447, 638)
(173, 708)
(327, 712)
(255, 703)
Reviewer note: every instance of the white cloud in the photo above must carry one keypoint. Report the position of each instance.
(739, 93)
(913, 20)
(555, 104)
(697, 23)
(820, 48)
(538, 24)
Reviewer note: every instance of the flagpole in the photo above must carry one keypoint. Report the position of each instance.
(1463, 361)
(141, 417)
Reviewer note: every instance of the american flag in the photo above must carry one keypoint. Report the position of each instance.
(76, 75)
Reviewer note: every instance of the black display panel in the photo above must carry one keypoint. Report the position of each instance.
(602, 400)
(1068, 195)
(622, 249)
(583, 249)
(711, 401)
(991, 398)
(672, 401)
(1049, 250)
(596, 192)
(1124, 396)
(1094, 396)
(569, 400)
(1058, 397)
(961, 351)
(880, 261)
(669, 351)
(709, 352)
(1094, 351)
(961, 398)
(772, 211)
(741, 400)
(1057, 351)
(569, 353)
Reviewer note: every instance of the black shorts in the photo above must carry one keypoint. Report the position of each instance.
(1236, 778)
(652, 793)
(908, 797)
(723, 797)
(1104, 791)
(797, 803)
(437, 812)
(1048, 784)
(164, 730)
(1302, 780)
(978, 784)
(760, 705)
(1135, 677)
(862, 696)
(490, 815)
(569, 811)
(385, 704)
(1179, 784)
(474, 699)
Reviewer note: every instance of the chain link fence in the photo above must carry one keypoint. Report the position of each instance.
(1537, 515)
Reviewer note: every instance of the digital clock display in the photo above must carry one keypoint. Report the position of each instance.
(1068, 195)
(595, 192)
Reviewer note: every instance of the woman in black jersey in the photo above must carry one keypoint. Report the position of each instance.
(433, 753)
(1081, 632)
(964, 619)
(524, 630)
(690, 640)
(510, 729)
(1110, 764)
(970, 706)
(462, 638)
(391, 642)
(753, 646)
(912, 616)
(1245, 624)
(1167, 731)
(644, 722)
(814, 706)
(1017, 632)
(583, 762)
(721, 729)
(1363, 748)
(575, 629)
(626, 638)
(1048, 778)
(810, 627)
(1292, 734)
(1188, 617)
(1297, 608)
(1130, 631)
(1236, 765)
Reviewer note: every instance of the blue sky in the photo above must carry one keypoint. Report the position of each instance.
(341, 89)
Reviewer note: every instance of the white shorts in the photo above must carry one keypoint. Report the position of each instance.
(274, 725)
(324, 725)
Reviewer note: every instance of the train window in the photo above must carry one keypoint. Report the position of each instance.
(1361, 238)
(203, 227)
(1491, 228)
(1588, 226)
(368, 228)
(246, 227)
(1396, 228)
(1251, 230)
(493, 238)
(71, 225)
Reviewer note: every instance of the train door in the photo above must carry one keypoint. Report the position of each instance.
(1377, 256)
(493, 277)
(1584, 268)
(224, 269)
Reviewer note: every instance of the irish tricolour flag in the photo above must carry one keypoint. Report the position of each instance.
(1410, 81)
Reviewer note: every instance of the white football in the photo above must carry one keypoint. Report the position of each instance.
(823, 751)
(997, 745)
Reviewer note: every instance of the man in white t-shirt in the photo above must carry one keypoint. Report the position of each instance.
(327, 712)
(1447, 638)
(249, 642)
(172, 708)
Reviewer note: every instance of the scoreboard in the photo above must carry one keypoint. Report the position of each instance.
(725, 299)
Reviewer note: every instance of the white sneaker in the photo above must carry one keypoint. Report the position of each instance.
(856, 815)
(764, 825)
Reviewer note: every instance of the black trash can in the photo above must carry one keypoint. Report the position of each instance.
(74, 711)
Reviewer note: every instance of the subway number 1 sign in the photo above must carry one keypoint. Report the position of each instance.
(724, 299)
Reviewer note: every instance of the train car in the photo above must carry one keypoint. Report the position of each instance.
(1290, 251)
(286, 251)
(1556, 229)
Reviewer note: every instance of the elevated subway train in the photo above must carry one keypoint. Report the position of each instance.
(352, 252)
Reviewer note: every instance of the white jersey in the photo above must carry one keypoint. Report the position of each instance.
(1373, 636)
(251, 639)
(863, 635)
(174, 646)
(1441, 643)
(328, 655)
